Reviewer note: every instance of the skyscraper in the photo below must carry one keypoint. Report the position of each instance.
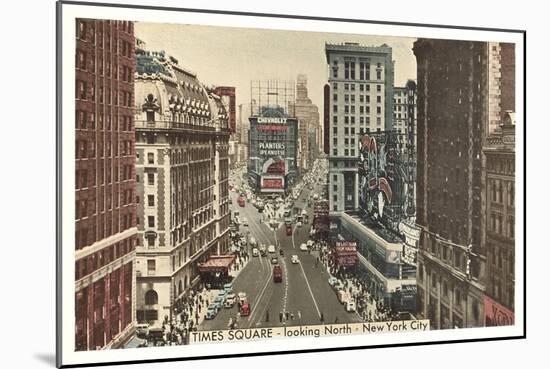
(361, 82)
(458, 104)
(105, 208)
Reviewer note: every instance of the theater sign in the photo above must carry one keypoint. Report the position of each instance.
(410, 247)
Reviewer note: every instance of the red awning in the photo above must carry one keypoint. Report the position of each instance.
(217, 264)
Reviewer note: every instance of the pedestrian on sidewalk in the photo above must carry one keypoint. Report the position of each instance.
(281, 317)
(267, 316)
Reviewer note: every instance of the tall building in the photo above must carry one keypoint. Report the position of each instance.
(308, 121)
(361, 82)
(457, 107)
(227, 94)
(105, 208)
(182, 144)
(326, 119)
(499, 171)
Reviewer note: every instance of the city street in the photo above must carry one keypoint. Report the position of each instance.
(304, 294)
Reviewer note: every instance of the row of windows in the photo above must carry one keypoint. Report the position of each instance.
(105, 226)
(351, 109)
(497, 225)
(86, 31)
(362, 98)
(88, 62)
(347, 141)
(86, 149)
(93, 262)
(497, 192)
(351, 87)
(86, 120)
(86, 91)
(351, 120)
(84, 176)
(350, 67)
(347, 152)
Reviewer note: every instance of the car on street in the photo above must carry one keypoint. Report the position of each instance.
(350, 306)
(244, 309)
(263, 248)
(294, 259)
(230, 300)
(343, 296)
(255, 252)
(211, 312)
(303, 247)
(245, 222)
(142, 329)
(277, 274)
(289, 230)
(228, 287)
(241, 296)
(299, 224)
(271, 249)
(274, 260)
(310, 243)
(332, 280)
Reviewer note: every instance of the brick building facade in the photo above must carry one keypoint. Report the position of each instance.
(105, 209)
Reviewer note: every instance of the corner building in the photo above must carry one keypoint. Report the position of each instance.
(361, 101)
(182, 145)
(105, 209)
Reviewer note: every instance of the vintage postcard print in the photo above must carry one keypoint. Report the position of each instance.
(238, 184)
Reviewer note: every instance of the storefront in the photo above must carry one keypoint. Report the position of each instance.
(215, 270)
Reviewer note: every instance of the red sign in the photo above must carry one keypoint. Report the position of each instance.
(272, 183)
(277, 167)
(346, 253)
(271, 127)
(496, 314)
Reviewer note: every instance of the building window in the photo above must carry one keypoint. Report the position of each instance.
(151, 221)
(378, 88)
(151, 200)
(335, 119)
(151, 158)
(335, 108)
(335, 86)
(150, 179)
(151, 297)
(334, 152)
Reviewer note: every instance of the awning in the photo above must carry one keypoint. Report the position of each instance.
(217, 264)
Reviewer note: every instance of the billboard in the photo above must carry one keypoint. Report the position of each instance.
(346, 253)
(383, 180)
(496, 314)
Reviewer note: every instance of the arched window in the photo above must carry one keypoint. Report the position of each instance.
(151, 297)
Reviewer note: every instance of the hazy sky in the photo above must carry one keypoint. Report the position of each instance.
(226, 56)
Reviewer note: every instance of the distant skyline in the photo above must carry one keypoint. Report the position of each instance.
(227, 56)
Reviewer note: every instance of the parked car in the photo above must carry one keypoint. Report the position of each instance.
(274, 260)
(303, 247)
(241, 298)
(230, 300)
(294, 259)
(350, 306)
(142, 330)
(228, 287)
(255, 252)
(271, 249)
(332, 280)
(211, 312)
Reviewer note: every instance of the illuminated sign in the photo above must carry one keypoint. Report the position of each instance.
(496, 314)
(271, 148)
(271, 120)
